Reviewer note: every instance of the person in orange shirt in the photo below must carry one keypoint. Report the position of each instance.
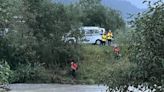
(74, 67)
(116, 51)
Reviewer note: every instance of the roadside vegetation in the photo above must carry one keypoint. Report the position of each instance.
(145, 52)
(31, 37)
(32, 50)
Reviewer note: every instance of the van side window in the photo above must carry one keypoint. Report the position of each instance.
(89, 32)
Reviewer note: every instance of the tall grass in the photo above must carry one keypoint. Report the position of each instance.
(99, 62)
(96, 64)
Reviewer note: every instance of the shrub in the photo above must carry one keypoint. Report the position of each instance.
(28, 73)
(4, 72)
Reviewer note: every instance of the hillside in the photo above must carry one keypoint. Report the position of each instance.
(123, 6)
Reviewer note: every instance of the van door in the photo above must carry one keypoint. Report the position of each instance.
(95, 36)
(88, 36)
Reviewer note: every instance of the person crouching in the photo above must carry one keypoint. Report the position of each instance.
(116, 51)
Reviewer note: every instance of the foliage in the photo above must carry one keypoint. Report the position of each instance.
(35, 31)
(147, 46)
(34, 34)
(28, 73)
(37, 28)
(5, 72)
(5, 13)
(145, 53)
(122, 36)
(99, 65)
(93, 13)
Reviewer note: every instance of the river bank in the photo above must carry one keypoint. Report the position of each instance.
(56, 88)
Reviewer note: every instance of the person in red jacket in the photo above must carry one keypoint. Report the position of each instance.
(74, 67)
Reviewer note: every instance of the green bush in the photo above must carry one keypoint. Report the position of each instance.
(28, 73)
(147, 46)
(4, 72)
(145, 53)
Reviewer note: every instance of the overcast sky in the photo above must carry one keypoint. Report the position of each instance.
(139, 3)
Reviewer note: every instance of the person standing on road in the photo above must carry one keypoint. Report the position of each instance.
(104, 38)
(109, 37)
(74, 68)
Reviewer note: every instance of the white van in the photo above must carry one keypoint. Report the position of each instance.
(91, 35)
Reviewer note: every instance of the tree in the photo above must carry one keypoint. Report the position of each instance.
(36, 29)
(93, 13)
(145, 53)
(147, 49)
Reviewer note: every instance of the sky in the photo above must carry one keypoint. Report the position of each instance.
(139, 3)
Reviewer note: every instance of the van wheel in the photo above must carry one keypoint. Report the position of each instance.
(70, 41)
(98, 42)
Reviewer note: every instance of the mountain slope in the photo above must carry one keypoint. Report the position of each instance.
(123, 6)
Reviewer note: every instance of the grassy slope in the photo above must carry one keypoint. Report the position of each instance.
(96, 61)
(95, 64)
